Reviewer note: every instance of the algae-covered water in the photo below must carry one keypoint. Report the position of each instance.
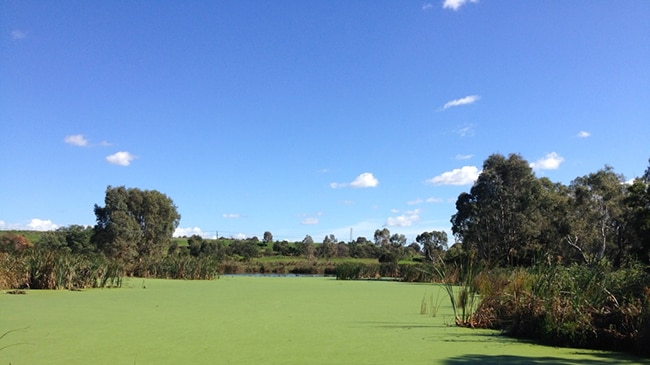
(256, 320)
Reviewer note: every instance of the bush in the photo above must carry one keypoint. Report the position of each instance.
(576, 306)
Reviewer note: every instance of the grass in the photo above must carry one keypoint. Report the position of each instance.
(255, 320)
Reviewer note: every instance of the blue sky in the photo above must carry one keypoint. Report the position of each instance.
(310, 117)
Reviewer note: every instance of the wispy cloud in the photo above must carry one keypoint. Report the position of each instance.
(551, 161)
(456, 4)
(584, 134)
(76, 140)
(465, 131)
(427, 6)
(463, 176)
(470, 99)
(80, 140)
(231, 215)
(310, 221)
(464, 157)
(18, 35)
(404, 220)
(365, 180)
(427, 200)
(121, 158)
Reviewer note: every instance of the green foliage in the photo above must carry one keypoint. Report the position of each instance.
(577, 306)
(459, 283)
(247, 249)
(185, 267)
(74, 238)
(433, 244)
(134, 225)
(48, 269)
(499, 214)
(429, 306)
(511, 218)
(356, 271)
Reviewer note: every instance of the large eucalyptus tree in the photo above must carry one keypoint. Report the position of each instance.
(500, 215)
(134, 224)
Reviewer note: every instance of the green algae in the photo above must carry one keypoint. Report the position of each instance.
(257, 320)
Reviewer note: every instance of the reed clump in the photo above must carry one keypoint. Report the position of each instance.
(576, 306)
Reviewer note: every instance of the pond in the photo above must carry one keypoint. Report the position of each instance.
(257, 320)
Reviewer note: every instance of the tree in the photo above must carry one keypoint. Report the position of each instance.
(382, 237)
(433, 243)
(638, 217)
(247, 249)
(397, 240)
(195, 243)
(268, 237)
(306, 247)
(637, 202)
(134, 224)
(74, 238)
(282, 248)
(328, 248)
(595, 219)
(500, 213)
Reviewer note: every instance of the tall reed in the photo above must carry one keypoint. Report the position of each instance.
(458, 282)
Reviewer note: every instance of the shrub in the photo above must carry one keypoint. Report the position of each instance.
(577, 306)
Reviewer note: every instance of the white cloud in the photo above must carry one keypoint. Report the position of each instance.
(434, 200)
(18, 35)
(415, 201)
(231, 215)
(240, 236)
(310, 220)
(470, 99)
(463, 176)
(584, 134)
(41, 225)
(427, 6)
(456, 4)
(551, 161)
(404, 220)
(121, 158)
(464, 157)
(76, 140)
(2, 224)
(365, 180)
(191, 231)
